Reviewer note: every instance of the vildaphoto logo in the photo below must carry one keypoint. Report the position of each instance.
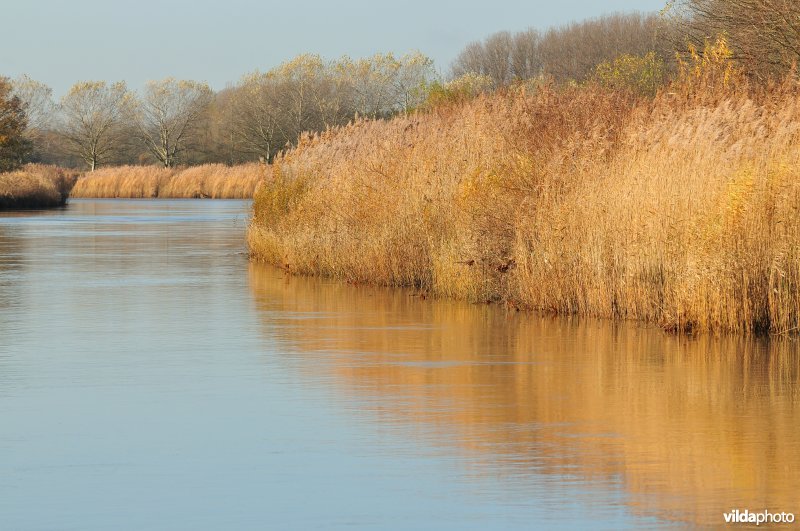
(764, 517)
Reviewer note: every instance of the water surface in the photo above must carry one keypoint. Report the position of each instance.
(151, 378)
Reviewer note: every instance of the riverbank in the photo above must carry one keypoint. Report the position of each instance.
(213, 181)
(679, 210)
(35, 186)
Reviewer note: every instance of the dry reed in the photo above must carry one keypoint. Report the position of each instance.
(35, 186)
(215, 181)
(680, 210)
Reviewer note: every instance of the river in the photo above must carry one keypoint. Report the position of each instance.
(152, 378)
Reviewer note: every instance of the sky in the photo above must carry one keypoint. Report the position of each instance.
(60, 42)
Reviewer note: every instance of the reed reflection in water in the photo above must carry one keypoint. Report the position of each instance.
(151, 378)
(685, 428)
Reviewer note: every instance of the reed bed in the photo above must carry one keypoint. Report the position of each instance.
(35, 186)
(214, 181)
(680, 210)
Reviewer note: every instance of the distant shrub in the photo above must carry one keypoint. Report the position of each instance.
(459, 90)
(643, 74)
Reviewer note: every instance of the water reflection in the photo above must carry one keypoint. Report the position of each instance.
(149, 380)
(11, 266)
(687, 428)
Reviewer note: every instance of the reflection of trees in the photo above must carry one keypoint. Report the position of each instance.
(11, 266)
(690, 427)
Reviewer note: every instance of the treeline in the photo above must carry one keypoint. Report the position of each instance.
(180, 122)
(637, 51)
(268, 110)
(568, 53)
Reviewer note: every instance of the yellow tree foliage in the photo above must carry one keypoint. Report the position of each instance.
(641, 74)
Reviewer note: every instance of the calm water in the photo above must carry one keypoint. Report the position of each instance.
(150, 378)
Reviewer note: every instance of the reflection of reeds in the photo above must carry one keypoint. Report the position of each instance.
(214, 181)
(680, 210)
(35, 186)
(689, 428)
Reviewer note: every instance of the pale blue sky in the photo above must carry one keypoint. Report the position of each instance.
(63, 41)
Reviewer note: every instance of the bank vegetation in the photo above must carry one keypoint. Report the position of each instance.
(208, 181)
(679, 208)
(35, 186)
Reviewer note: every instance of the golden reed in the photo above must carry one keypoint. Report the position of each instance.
(35, 186)
(680, 210)
(215, 181)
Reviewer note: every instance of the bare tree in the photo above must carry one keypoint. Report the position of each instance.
(333, 96)
(471, 60)
(255, 116)
(37, 101)
(526, 59)
(298, 83)
(371, 81)
(91, 120)
(383, 84)
(763, 34)
(414, 73)
(168, 115)
(566, 53)
(270, 110)
(503, 57)
(499, 49)
(573, 52)
(184, 122)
